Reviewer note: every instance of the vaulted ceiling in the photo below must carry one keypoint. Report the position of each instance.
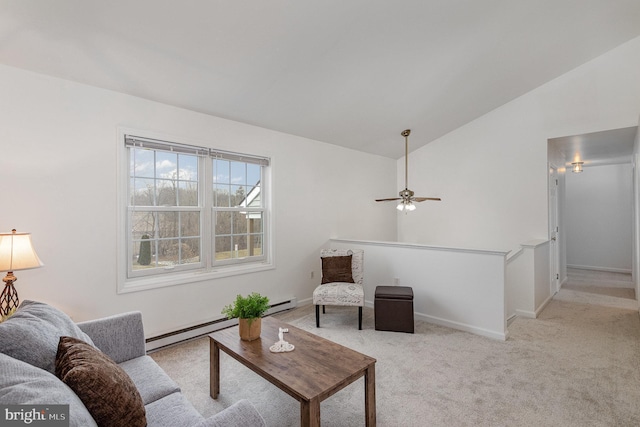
(348, 72)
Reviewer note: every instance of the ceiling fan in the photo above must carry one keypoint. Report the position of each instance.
(406, 196)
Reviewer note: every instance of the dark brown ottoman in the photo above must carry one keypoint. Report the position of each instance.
(393, 308)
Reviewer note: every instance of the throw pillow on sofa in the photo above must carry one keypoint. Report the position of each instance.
(33, 332)
(104, 387)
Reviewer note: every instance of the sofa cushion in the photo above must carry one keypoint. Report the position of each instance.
(23, 384)
(33, 332)
(149, 378)
(171, 411)
(104, 388)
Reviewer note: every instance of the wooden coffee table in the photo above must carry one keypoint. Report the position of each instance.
(315, 370)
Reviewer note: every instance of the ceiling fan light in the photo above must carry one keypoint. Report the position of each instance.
(406, 206)
(577, 167)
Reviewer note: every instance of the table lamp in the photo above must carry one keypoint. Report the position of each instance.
(16, 253)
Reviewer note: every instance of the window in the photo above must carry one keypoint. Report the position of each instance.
(237, 210)
(192, 210)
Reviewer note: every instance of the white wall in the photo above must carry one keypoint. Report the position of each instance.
(527, 285)
(599, 218)
(58, 176)
(457, 288)
(492, 172)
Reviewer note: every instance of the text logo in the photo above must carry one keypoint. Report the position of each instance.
(34, 415)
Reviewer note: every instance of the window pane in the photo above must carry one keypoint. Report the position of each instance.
(223, 223)
(142, 192)
(190, 251)
(253, 174)
(143, 254)
(188, 194)
(254, 198)
(239, 223)
(221, 172)
(167, 192)
(189, 224)
(166, 165)
(238, 173)
(237, 195)
(141, 164)
(239, 246)
(221, 196)
(223, 247)
(168, 252)
(188, 167)
(255, 245)
(255, 222)
(167, 224)
(142, 223)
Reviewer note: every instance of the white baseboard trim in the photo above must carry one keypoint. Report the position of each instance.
(306, 301)
(596, 268)
(502, 336)
(526, 314)
(164, 340)
(564, 281)
(534, 314)
(435, 320)
(543, 305)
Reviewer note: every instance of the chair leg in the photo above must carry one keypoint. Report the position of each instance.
(317, 316)
(323, 312)
(360, 318)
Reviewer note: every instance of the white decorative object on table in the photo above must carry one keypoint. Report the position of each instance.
(281, 346)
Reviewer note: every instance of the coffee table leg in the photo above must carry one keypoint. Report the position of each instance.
(214, 369)
(370, 395)
(310, 413)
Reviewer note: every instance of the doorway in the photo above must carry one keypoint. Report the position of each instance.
(591, 222)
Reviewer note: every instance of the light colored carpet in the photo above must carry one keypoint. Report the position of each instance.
(578, 364)
(618, 285)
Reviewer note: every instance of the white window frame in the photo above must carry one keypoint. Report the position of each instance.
(207, 268)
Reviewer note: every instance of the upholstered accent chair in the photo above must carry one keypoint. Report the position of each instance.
(342, 273)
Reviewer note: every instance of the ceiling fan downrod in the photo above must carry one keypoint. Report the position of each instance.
(406, 134)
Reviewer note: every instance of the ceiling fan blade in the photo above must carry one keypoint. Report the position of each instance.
(422, 199)
(388, 200)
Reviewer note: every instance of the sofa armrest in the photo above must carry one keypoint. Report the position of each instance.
(121, 336)
(240, 414)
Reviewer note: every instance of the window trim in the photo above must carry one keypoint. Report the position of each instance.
(209, 270)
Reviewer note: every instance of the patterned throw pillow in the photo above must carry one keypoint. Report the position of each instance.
(105, 388)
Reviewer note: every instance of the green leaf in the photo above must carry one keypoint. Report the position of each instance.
(252, 306)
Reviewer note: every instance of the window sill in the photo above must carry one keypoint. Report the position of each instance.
(155, 282)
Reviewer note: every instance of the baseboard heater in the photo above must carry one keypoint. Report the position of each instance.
(185, 334)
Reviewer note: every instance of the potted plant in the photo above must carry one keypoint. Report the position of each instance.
(249, 311)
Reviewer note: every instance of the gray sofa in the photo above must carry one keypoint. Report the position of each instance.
(28, 362)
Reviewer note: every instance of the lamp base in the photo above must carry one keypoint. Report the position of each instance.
(9, 301)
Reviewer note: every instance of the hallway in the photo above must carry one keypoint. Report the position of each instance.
(600, 288)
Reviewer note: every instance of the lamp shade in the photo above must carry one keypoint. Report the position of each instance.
(17, 253)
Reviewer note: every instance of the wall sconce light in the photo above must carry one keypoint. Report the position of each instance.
(16, 253)
(577, 167)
